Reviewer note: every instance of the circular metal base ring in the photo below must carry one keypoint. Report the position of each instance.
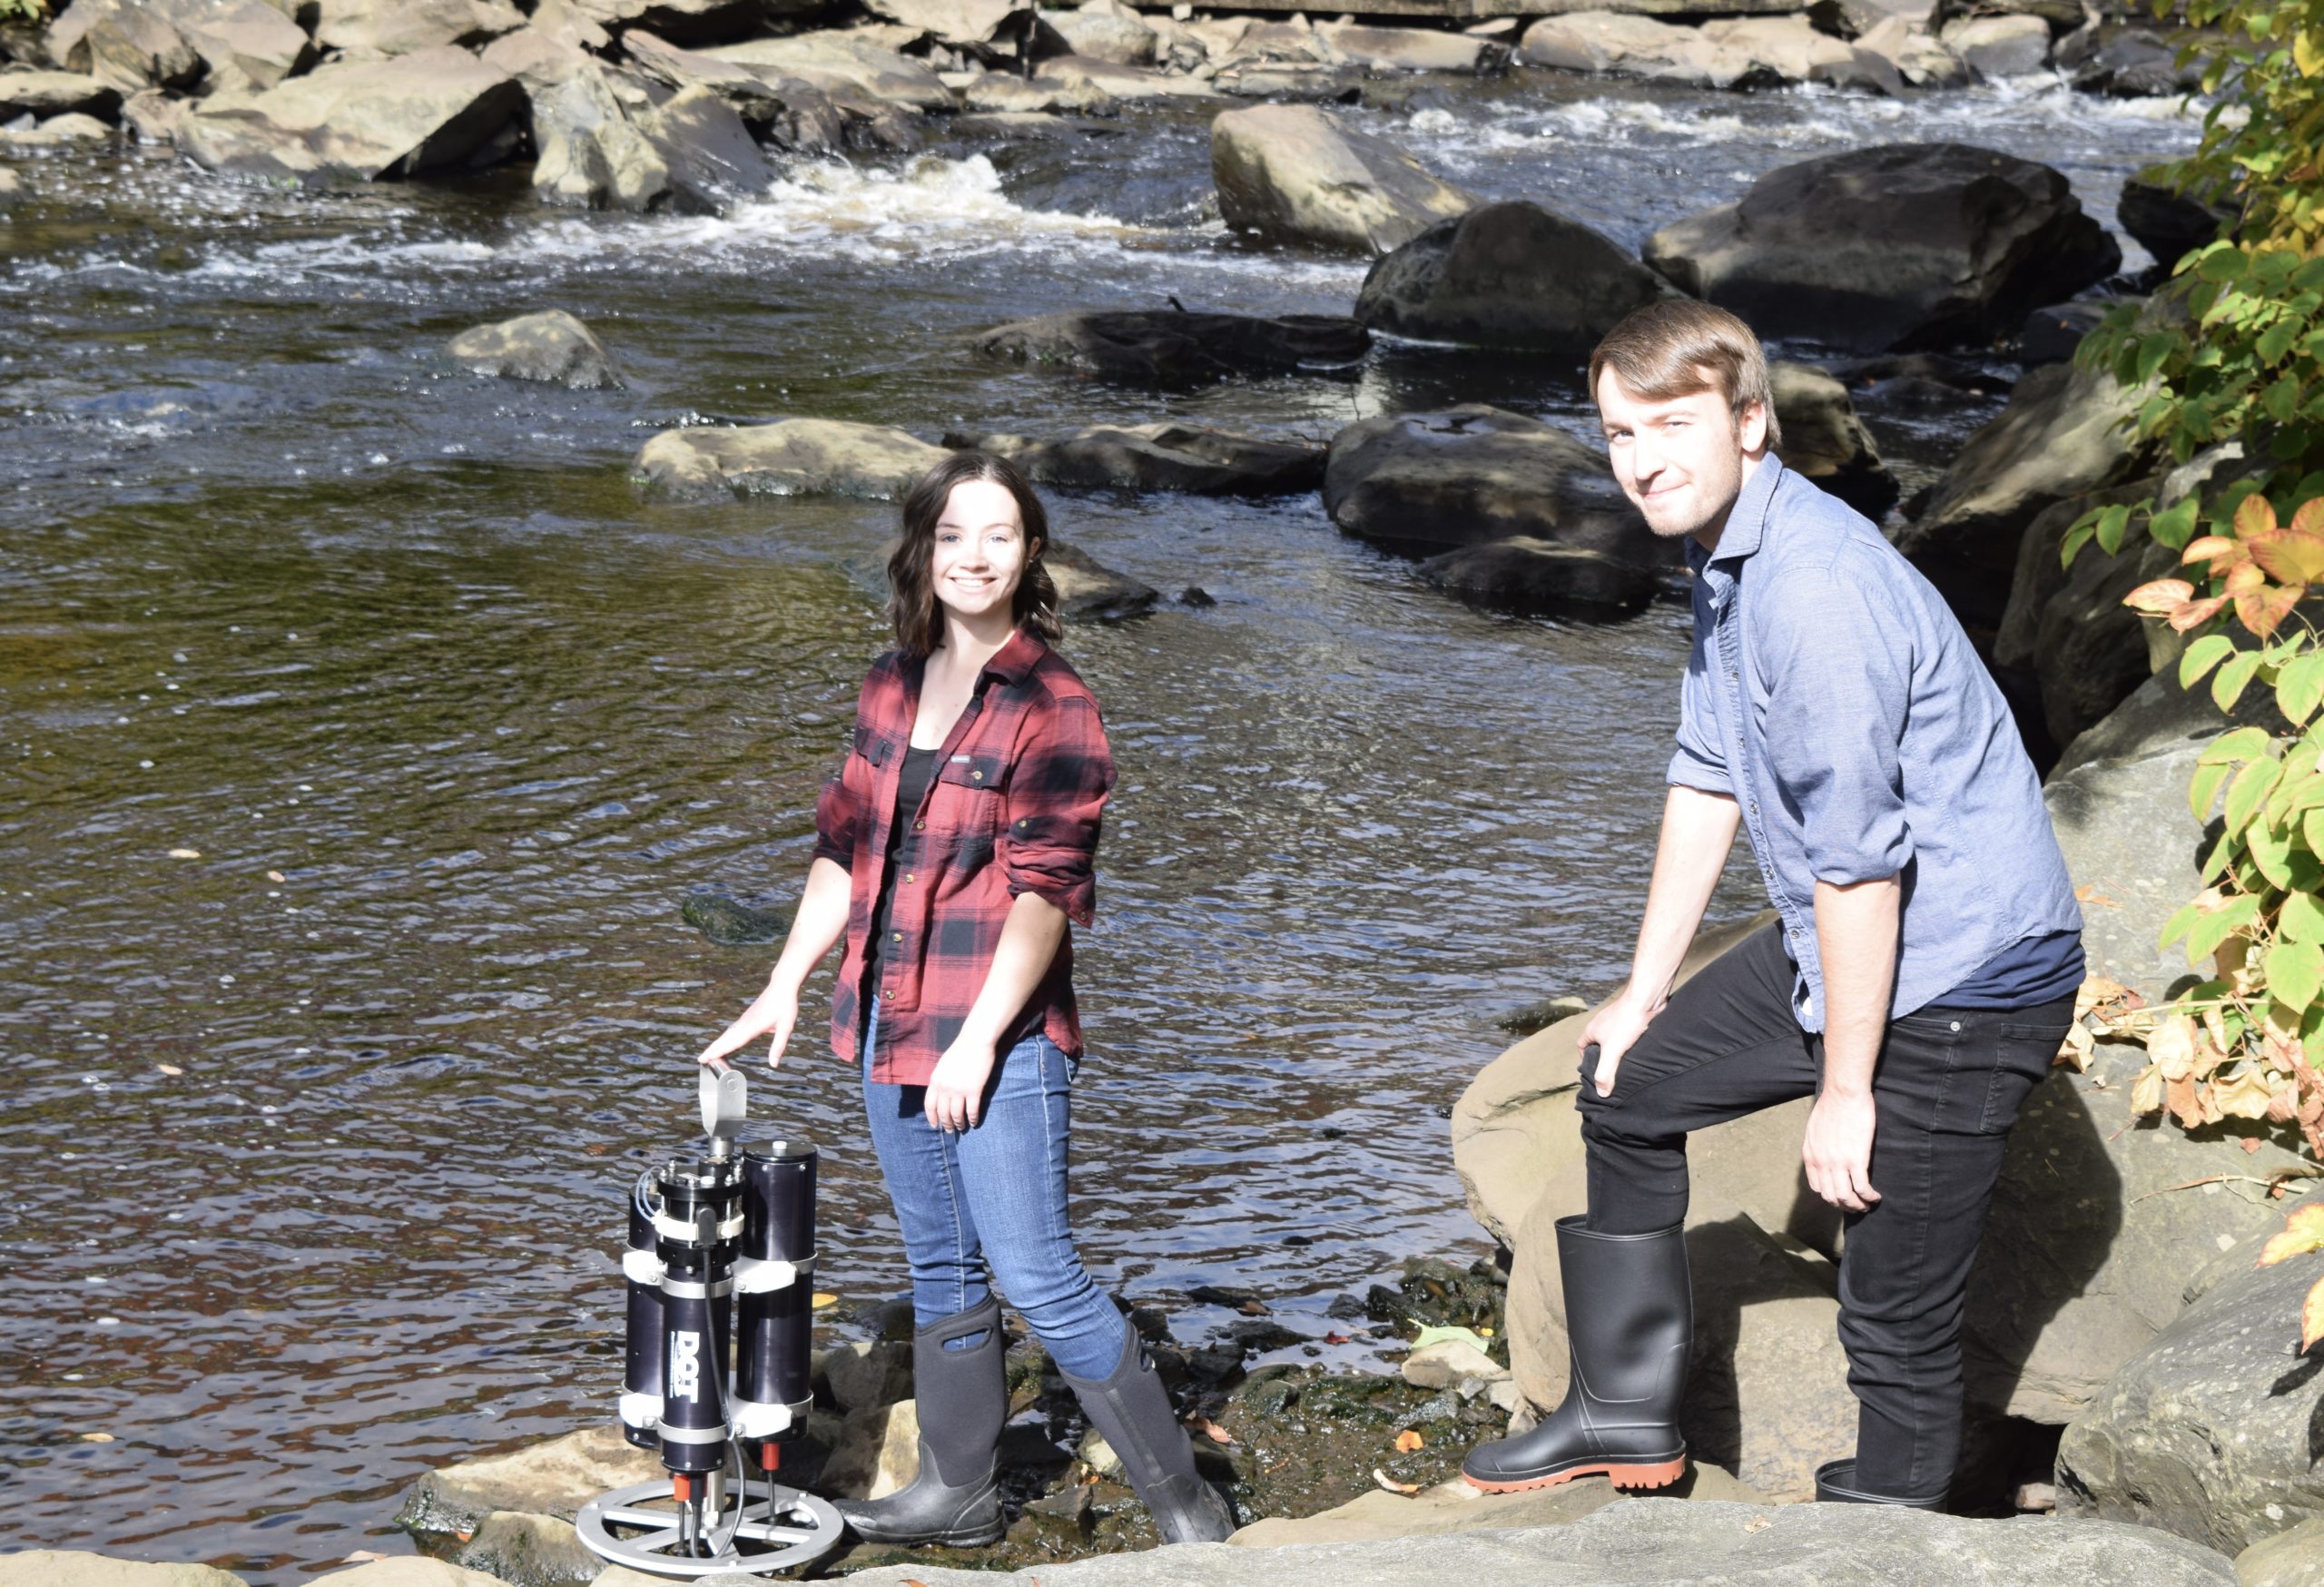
(638, 1527)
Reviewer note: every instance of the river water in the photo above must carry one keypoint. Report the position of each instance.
(315, 1144)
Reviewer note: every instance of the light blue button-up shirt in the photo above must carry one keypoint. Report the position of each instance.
(1831, 691)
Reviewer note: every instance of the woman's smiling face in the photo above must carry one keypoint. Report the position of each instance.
(980, 552)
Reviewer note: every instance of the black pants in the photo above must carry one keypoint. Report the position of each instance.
(1947, 1092)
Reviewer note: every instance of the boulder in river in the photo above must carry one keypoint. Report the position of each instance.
(2289, 1559)
(28, 91)
(1414, 49)
(554, 1478)
(1999, 46)
(529, 1551)
(2213, 1431)
(841, 64)
(1159, 457)
(551, 346)
(1295, 173)
(1106, 30)
(129, 47)
(2066, 631)
(246, 45)
(1474, 474)
(1088, 591)
(1178, 347)
(367, 27)
(1507, 275)
(1920, 57)
(791, 456)
(786, 111)
(2167, 222)
(1526, 574)
(590, 152)
(1042, 93)
(1899, 246)
(2065, 432)
(1826, 443)
(694, 21)
(1622, 44)
(988, 29)
(358, 121)
(1798, 53)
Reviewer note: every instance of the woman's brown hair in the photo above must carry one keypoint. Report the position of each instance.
(912, 606)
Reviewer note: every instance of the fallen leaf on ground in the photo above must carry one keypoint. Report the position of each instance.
(169, 1068)
(1335, 1338)
(463, 1533)
(1391, 1485)
(1409, 1440)
(96, 1438)
(185, 854)
(1211, 1430)
(1757, 1523)
(279, 876)
(823, 1300)
(1485, 1332)
(363, 1557)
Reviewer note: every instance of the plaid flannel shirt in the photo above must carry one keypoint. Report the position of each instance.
(1014, 807)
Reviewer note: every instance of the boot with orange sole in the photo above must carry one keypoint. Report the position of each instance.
(1630, 1320)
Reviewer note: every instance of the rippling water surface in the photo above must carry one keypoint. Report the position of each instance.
(314, 1143)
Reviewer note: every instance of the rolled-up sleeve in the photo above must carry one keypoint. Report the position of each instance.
(1698, 764)
(838, 811)
(1056, 789)
(1838, 673)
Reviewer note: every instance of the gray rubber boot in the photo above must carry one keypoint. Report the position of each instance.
(1835, 1485)
(1131, 1409)
(964, 1400)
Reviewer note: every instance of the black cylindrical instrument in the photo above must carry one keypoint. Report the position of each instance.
(695, 1229)
(774, 1358)
(641, 1400)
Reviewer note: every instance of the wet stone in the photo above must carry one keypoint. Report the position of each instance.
(1433, 1293)
(731, 922)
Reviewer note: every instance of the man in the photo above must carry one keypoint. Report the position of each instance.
(1918, 981)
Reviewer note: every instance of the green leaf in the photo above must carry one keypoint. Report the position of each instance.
(2175, 526)
(2236, 747)
(2176, 926)
(2300, 687)
(2206, 934)
(2294, 973)
(2221, 263)
(2301, 919)
(2112, 524)
(2204, 792)
(2202, 656)
(2155, 350)
(2244, 794)
(2270, 852)
(2311, 827)
(2227, 685)
(2274, 342)
(2281, 399)
(2076, 538)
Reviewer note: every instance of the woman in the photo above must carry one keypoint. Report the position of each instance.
(951, 850)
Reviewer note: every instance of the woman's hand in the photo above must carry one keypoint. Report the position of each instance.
(955, 1095)
(771, 1016)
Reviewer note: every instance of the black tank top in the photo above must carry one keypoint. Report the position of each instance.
(913, 779)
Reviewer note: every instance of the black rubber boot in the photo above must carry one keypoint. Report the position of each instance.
(1835, 1485)
(963, 1399)
(1131, 1409)
(1630, 1320)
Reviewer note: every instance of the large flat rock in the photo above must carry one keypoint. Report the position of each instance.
(72, 1568)
(1295, 173)
(1658, 1542)
(791, 456)
(355, 121)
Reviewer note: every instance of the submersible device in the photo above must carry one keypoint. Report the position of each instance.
(720, 1262)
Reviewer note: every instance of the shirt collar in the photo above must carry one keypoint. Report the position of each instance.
(1014, 660)
(1747, 520)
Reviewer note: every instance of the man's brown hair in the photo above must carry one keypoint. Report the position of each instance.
(1678, 347)
(912, 606)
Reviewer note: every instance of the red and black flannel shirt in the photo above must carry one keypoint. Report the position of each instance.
(1013, 808)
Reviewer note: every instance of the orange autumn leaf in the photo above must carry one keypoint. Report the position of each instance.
(2222, 552)
(2310, 518)
(2161, 597)
(2303, 1232)
(1409, 1440)
(2195, 613)
(1210, 1430)
(2256, 515)
(2289, 557)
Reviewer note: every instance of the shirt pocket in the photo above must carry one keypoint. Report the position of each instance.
(965, 800)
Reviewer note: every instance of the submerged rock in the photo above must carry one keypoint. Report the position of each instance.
(1474, 474)
(2212, 1431)
(1507, 275)
(1901, 246)
(730, 921)
(1088, 591)
(1295, 173)
(1523, 574)
(791, 456)
(1159, 457)
(355, 121)
(1177, 346)
(550, 346)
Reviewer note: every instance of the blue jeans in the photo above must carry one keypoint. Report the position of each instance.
(995, 1195)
